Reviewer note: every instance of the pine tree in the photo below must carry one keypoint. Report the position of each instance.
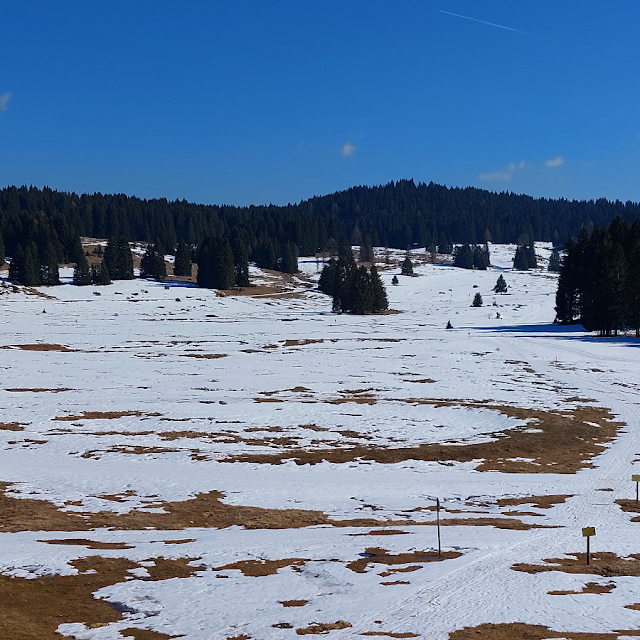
(118, 258)
(554, 261)
(49, 274)
(265, 255)
(480, 257)
(395, 280)
(380, 301)
(366, 249)
(289, 260)
(327, 277)
(407, 267)
(2, 256)
(152, 264)
(182, 266)
(240, 262)
(463, 257)
(81, 272)
(29, 267)
(216, 269)
(501, 285)
(520, 261)
(100, 274)
(477, 300)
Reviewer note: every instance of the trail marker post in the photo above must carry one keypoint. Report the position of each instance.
(636, 479)
(587, 532)
(438, 523)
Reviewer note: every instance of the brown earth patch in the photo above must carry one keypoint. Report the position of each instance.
(540, 502)
(167, 568)
(267, 400)
(293, 603)
(89, 544)
(603, 563)
(318, 628)
(185, 541)
(590, 587)
(409, 569)
(258, 568)
(520, 631)
(634, 607)
(405, 634)
(41, 347)
(105, 415)
(300, 343)
(422, 381)
(563, 442)
(206, 356)
(145, 634)
(11, 426)
(96, 454)
(39, 390)
(387, 584)
(630, 506)
(382, 532)
(382, 556)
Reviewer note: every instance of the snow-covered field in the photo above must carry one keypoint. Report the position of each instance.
(150, 394)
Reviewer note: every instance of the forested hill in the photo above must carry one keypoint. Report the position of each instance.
(397, 215)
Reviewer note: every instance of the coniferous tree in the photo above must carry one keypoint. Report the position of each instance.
(501, 285)
(395, 280)
(477, 300)
(81, 272)
(265, 255)
(118, 259)
(520, 261)
(480, 257)
(407, 267)
(380, 301)
(100, 274)
(14, 266)
(2, 256)
(29, 267)
(366, 249)
(216, 269)
(240, 262)
(327, 277)
(289, 260)
(554, 261)
(463, 257)
(182, 266)
(49, 274)
(152, 264)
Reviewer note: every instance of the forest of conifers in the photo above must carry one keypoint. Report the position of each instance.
(399, 214)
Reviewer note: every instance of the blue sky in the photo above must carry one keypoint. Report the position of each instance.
(253, 102)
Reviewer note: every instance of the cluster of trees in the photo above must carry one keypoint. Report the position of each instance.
(399, 214)
(472, 257)
(599, 283)
(525, 257)
(354, 288)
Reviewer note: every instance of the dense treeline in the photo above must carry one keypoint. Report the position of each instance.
(599, 283)
(397, 215)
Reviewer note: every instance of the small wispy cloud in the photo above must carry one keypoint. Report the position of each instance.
(503, 174)
(348, 149)
(4, 101)
(558, 161)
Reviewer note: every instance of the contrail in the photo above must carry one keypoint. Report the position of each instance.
(491, 24)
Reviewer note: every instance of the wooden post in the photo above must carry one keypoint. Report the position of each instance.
(636, 479)
(438, 523)
(587, 532)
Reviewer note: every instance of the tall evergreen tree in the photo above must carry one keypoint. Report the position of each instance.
(554, 261)
(463, 257)
(216, 269)
(366, 249)
(2, 256)
(49, 273)
(380, 301)
(100, 274)
(407, 267)
(501, 285)
(81, 272)
(152, 264)
(182, 266)
(118, 259)
(240, 262)
(289, 260)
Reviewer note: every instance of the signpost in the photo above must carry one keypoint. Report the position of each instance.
(636, 479)
(438, 523)
(587, 532)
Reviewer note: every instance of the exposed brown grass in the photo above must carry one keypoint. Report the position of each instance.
(634, 607)
(382, 556)
(11, 426)
(41, 347)
(590, 587)
(104, 415)
(405, 634)
(540, 502)
(300, 343)
(520, 631)
(317, 628)
(388, 584)
(293, 603)
(564, 442)
(382, 532)
(206, 356)
(145, 634)
(602, 563)
(630, 506)
(89, 544)
(258, 568)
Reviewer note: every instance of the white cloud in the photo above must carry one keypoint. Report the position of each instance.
(496, 175)
(4, 101)
(503, 174)
(348, 149)
(558, 161)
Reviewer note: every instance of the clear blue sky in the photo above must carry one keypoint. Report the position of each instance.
(245, 102)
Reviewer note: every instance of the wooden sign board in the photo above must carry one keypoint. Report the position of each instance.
(636, 478)
(589, 531)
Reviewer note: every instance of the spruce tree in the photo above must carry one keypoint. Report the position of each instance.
(380, 302)
(289, 260)
(366, 249)
(118, 258)
(407, 267)
(182, 266)
(501, 285)
(100, 274)
(29, 267)
(520, 260)
(2, 256)
(477, 300)
(240, 262)
(395, 280)
(463, 257)
(49, 274)
(152, 264)
(265, 255)
(554, 261)
(81, 272)
(216, 269)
